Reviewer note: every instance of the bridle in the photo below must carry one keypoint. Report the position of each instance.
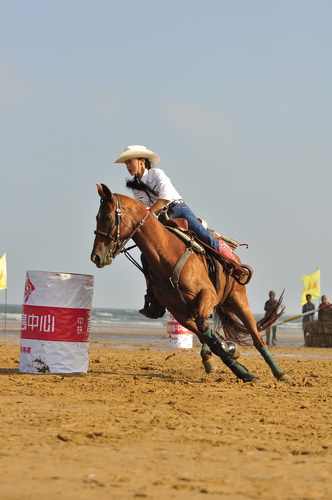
(118, 244)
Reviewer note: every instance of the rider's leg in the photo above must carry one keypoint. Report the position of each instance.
(182, 210)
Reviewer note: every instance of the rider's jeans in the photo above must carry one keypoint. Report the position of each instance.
(181, 210)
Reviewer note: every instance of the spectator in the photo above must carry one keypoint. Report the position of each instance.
(323, 306)
(309, 306)
(269, 304)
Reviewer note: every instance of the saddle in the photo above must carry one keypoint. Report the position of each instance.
(241, 273)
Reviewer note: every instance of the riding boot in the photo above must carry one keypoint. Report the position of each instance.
(241, 273)
(152, 308)
(226, 252)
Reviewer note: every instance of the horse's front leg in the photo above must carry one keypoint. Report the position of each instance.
(202, 323)
(214, 342)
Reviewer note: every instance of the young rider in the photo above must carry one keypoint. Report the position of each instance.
(155, 190)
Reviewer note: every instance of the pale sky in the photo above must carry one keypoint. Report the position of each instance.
(234, 96)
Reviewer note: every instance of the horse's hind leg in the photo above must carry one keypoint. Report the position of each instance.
(239, 305)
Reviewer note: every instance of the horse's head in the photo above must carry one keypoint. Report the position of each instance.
(107, 227)
(116, 224)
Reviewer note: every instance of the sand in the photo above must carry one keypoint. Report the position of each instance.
(147, 422)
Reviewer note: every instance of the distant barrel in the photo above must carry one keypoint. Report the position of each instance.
(178, 335)
(55, 322)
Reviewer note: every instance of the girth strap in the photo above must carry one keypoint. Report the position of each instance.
(173, 281)
(226, 290)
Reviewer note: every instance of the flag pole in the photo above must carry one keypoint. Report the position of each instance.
(301, 315)
(5, 323)
(3, 284)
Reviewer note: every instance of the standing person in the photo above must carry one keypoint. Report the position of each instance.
(155, 190)
(309, 306)
(324, 313)
(269, 304)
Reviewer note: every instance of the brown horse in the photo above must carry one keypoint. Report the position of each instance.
(188, 293)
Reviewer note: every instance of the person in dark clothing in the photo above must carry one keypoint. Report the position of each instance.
(308, 306)
(269, 304)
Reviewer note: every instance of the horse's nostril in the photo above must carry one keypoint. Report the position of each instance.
(95, 259)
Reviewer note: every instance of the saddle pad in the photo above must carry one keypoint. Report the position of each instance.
(232, 244)
(187, 239)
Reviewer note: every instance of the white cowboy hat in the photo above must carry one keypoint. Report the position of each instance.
(138, 152)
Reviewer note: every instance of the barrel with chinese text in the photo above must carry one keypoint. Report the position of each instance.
(178, 335)
(55, 324)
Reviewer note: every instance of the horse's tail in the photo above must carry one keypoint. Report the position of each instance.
(235, 330)
(272, 315)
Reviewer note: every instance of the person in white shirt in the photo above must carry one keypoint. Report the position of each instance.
(155, 190)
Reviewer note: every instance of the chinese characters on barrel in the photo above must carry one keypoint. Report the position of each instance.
(46, 323)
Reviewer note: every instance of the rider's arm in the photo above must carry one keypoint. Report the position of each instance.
(158, 205)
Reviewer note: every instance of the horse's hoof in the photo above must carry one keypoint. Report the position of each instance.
(233, 350)
(285, 378)
(209, 365)
(249, 377)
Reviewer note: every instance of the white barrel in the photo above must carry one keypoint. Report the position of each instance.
(55, 324)
(178, 335)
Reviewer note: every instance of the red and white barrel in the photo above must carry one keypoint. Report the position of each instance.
(178, 335)
(55, 324)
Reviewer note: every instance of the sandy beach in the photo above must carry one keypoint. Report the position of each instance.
(147, 422)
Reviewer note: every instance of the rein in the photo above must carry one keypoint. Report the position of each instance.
(118, 244)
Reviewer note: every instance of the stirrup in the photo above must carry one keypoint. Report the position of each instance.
(241, 277)
(240, 272)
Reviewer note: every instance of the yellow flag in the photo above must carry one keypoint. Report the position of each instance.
(3, 272)
(311, 286)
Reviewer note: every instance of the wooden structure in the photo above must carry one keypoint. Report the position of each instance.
(319, 333)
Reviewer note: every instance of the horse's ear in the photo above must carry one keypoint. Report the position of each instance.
(104, 191)
(107, 192)
(100, 190)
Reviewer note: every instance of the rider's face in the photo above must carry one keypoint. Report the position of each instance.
(135, 167)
